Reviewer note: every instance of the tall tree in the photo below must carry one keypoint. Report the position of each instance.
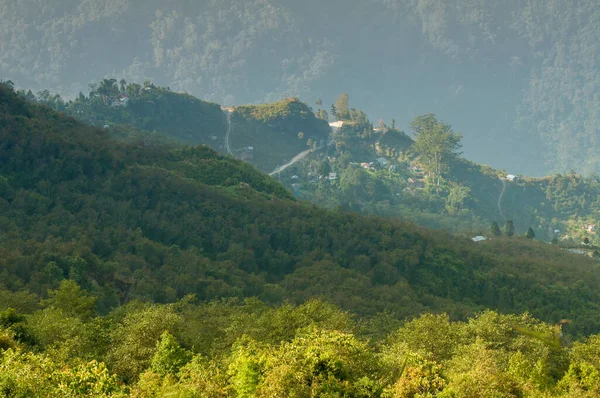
(495, 229)
(509, 228)
(333, 111)
(530, 234)
(341, 105)
(325, 168)
(322, 114)
(108, 87)
(436, 143)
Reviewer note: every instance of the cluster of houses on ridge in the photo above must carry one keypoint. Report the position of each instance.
(121, 100)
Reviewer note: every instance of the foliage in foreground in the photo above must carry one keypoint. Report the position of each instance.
(250, 349)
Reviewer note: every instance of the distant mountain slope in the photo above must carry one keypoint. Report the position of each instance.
(275, 132)
(379, 171)
(131, 221)
(265, 135)
(518, 77)
(270, 135)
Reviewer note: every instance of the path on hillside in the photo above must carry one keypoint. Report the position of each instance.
(296, 158)
(228, 132)
(500, 198)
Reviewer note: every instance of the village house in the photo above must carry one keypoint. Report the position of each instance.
(590, 228)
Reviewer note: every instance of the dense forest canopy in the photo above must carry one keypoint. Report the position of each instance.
(234, 348)
(517, 77)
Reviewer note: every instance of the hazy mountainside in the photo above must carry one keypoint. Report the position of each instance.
(268, 135)
(132, 220)
(516, 76)
(378, 170)
(146, 107)
(265, 135)
(385, 172)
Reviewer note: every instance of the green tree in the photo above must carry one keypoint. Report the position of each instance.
(134, 340)
(530, 234)
(495, 229)
(322, 114)
(246, 367)
(169, 356)
(509, 228)
(436, 143)
(457, 198)
(341, 104)
(325, 168)
(586, 241)
(319, 102)
(71, 300)
(333, 112)
(108, 87)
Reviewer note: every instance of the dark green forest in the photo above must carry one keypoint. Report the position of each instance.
(134, 266)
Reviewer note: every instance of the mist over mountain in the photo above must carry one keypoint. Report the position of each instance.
(517, 78)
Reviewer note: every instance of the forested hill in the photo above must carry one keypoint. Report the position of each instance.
(134, 220)
(468, 198)
(265, 135)
(518, 77)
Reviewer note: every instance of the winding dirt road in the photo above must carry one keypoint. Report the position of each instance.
(228, 132)
(500, 198)
(296, 158)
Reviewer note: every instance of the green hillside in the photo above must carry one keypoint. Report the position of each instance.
(382, 171)
(112, 104)
(276, 132)
(469, 199)
(127, 221)
(123, 266)
(264, 135)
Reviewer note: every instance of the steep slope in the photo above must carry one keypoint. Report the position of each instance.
(271, 135)
(276, 132)
(131, 221)
(264, 135)
(379, 171)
